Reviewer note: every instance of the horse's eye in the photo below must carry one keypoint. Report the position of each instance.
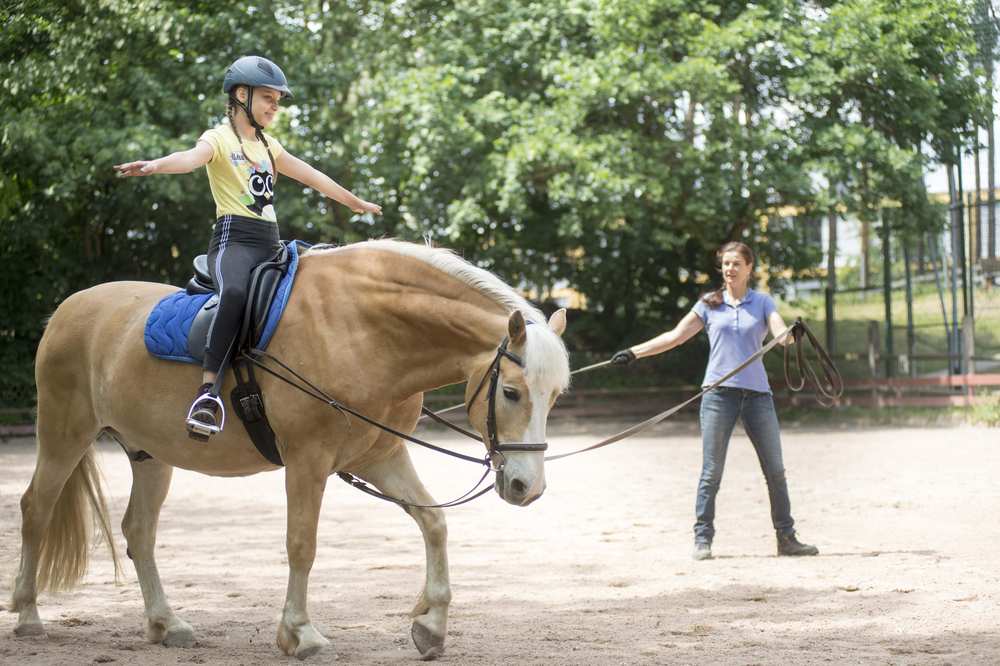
(511, 394)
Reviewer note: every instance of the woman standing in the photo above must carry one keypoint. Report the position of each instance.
(737, 319)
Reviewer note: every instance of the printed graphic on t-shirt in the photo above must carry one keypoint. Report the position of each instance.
(258, 196)
(242, 177)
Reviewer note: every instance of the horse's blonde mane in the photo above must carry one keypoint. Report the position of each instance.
(448, 262)
(547, 351)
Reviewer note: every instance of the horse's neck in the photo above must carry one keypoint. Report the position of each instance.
(416, 327)
(452, 341)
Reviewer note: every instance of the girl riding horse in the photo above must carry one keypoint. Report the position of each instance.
(243, 163)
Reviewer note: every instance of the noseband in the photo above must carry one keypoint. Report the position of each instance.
(493, 373)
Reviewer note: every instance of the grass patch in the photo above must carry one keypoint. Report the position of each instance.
(988, 412)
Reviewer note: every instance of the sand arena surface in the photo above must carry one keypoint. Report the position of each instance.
(598, 570)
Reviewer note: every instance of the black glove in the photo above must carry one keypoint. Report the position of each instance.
(624, 357)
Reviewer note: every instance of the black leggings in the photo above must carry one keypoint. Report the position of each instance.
(239, 244)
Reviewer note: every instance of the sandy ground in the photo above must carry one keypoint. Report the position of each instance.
(598, 570)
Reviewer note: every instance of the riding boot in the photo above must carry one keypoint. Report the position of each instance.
(202, 419)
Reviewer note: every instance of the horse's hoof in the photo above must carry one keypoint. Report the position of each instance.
(304, 652)
(309, 646)
(429, 644)
(30, 629)
(303, 642)
(178, 634)
(181, 636)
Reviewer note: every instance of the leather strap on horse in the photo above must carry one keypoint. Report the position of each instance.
(255, 356)
(467, 497)
(829, 368)
(825, 394)
(248, 403)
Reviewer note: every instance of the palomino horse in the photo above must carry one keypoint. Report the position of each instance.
(376, 324)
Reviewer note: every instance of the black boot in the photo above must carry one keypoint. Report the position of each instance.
(789, 545)
(202, 419)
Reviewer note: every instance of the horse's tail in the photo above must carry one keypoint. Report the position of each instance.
(79, 511)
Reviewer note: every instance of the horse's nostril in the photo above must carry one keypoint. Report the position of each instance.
(518, 486)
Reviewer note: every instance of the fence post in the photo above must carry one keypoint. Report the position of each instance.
(874, 352)
(911, 339)
(831, 341)
(886, 217)
(968, 344)
(874, 348)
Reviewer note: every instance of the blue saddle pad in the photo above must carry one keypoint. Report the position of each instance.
(169, 323)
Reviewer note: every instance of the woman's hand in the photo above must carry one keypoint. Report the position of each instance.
(368, 207)
(623, 357)
(798, 330)
(140, 168)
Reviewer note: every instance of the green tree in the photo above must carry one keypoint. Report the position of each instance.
(609, 146)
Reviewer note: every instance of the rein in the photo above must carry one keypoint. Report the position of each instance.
(258, 356)
(826, 395)
(796, 330)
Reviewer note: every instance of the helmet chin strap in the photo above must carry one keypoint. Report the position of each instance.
(248, 109)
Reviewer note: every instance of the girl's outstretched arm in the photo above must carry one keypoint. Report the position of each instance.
(293, 167)
(184, 161)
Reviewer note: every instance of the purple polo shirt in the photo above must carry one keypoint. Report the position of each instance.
(736, 331)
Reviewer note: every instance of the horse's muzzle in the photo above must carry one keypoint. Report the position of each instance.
(516, 491)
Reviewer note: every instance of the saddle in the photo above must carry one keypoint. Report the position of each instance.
(177, 327)
(264, 281)
(177, 330)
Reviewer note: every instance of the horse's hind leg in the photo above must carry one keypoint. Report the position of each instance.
(150, 483)
(397, 477)
(55, 525)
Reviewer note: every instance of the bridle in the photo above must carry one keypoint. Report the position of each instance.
(494, 447)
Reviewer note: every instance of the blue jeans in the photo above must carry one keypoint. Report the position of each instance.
(720, 408)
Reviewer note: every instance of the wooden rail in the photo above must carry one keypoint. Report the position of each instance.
(936, 391)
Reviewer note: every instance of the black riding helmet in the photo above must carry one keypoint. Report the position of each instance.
(254, 72)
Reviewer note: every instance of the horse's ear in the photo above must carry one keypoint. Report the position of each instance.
(557, 322)
(516, 329)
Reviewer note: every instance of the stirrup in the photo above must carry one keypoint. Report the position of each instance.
(201, 430)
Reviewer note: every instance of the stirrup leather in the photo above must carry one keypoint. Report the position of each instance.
(200, 428)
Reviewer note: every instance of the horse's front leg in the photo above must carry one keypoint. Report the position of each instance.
(150, 483)
(305, 481)
(396, 477)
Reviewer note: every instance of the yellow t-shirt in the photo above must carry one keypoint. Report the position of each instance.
(240, 187)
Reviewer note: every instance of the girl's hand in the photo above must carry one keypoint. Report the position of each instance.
(368, 207)
(140, 168)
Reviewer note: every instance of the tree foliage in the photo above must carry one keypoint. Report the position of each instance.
(608, 146)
